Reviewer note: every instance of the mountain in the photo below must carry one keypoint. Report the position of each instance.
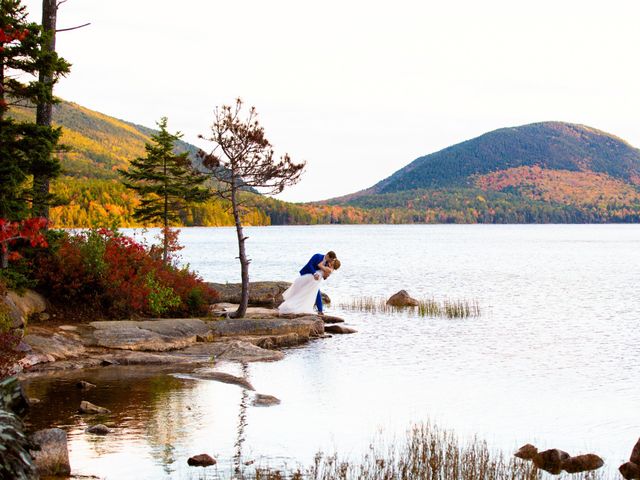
(542, 172)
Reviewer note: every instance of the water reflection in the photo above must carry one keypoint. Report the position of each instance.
(242, 424)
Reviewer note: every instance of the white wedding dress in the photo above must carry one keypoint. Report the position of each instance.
(300, 297)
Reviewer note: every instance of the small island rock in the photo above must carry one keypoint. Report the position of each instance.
(82, 385)
(402, 299)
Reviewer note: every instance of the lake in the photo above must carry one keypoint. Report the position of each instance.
(552, 360)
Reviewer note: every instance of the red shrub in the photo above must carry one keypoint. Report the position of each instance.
(115, 276)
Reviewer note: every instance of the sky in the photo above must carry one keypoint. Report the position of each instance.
(357, 89)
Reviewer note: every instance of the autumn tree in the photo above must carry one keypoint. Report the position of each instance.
(241, 159)
(166, 182)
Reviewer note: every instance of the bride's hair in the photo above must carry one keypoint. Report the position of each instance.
(336, 264)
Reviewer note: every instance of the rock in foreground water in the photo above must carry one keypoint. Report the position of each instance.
(90, 408)
(550, 460)
(582, 463)
(630, 471)
(99, 429)
(202, 460)
(526, 452)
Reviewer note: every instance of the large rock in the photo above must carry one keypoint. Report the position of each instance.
(23, 306)
(582, 463)
(52, 458)
(149, 335)
(402, 299)
(550, 460)
(261, 294)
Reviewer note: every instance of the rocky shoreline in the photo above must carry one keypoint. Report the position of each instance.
(178, 341)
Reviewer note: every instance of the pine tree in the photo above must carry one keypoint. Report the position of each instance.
(23, 145)
(166, 182)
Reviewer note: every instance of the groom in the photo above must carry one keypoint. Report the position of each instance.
(316, 266)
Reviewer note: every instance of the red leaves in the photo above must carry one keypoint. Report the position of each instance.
(29, 230)
(107, 273)
(10, 35)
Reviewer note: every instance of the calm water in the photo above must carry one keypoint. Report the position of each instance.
(553, 359)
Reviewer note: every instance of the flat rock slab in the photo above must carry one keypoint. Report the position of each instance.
(224, 378)
(305, 327)
(60, 346)
(149, 335)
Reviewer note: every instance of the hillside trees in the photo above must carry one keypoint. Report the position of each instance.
(166, 182)
(243, 158)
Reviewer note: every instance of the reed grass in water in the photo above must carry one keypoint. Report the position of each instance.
(426, 307)
(427, 453)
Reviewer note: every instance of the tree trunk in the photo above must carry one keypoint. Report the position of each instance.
(44, 108)
(4, 257)
(244, 262)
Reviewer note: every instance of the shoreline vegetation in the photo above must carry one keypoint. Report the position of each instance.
(427, 452)
(427, 307)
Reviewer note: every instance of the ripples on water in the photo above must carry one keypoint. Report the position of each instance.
(551, 361)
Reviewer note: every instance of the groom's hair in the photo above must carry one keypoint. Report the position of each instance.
(331, 254)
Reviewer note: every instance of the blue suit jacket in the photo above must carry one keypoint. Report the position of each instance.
(312, 265)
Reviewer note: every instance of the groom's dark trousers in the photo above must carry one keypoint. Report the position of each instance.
(312, 267)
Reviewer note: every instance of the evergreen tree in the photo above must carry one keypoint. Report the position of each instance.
(23, 145)
(166, 182)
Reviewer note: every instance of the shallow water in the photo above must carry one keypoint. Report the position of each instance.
(551, 360)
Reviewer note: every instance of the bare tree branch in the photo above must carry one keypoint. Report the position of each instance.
(72, 28)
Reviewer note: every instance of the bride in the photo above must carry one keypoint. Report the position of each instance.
(301, 295)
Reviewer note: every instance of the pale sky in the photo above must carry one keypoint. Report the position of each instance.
(356, 88)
